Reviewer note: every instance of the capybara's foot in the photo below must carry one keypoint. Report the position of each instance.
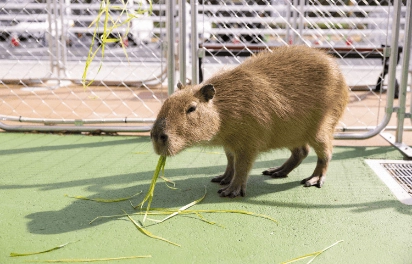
(276, 172)
(313, 181)
(270, 171)
(222, 179)
(233, 191)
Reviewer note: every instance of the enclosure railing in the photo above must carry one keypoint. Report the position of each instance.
(132, 87)
(300, 33)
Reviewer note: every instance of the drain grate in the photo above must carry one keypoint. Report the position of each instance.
(397, 175)
(402, 172)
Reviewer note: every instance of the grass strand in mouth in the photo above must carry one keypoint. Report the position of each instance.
(149, 195)
(13, 254)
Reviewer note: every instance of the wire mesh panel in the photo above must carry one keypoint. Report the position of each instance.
(45, 46)
(357, 33)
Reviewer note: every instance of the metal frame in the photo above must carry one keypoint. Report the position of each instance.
(57, 43)
(396, 140)
(350, 133)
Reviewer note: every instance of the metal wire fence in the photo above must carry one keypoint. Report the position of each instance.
(356, 32)
(45, 44)
(44, 50)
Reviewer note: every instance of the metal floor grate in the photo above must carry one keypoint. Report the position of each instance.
(402, 172)
(397, 175)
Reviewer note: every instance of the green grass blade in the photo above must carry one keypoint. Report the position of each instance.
(149, 196)
(88, 260)
(147, 233)
(91, 54)
(13, 254)
(106, 216)
(207, 221)
(104, 11)
(314, 254)
(323, 250)
(230, 212)
(101, 200)
(167, 181)
(185, 207)
(167, 211)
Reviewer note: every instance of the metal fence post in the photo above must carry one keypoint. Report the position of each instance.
(49, 37)
(287, 34)
(170, 31)
(182, 41)
(391, 82)
(405, 73)
(194, 42)
(57, 38)
(302, 4)
(295, 5)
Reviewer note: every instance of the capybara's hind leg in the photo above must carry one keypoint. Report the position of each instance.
(323, 150)
(226, 177)
(298, 154)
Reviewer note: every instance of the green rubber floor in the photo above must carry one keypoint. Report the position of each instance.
(38, 170)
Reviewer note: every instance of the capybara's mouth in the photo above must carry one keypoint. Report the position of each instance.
(163, 151)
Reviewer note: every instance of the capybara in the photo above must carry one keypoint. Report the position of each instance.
(289, 97)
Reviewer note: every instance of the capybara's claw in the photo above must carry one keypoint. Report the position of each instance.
(222, 179)
(276, 172)
(232, 191)
(266, 172)
(217, 178)
(270, 171)
(313, 181)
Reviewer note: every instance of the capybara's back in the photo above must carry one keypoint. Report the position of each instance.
(285, 97)
(290, 97)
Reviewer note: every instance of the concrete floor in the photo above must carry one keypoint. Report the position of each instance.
(38, 170)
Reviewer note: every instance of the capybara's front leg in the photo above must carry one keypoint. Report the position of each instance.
(243, 164)
(226, 177)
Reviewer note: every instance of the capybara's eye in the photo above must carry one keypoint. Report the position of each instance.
(191, 109)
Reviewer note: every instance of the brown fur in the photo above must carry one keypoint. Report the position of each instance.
(291, 97)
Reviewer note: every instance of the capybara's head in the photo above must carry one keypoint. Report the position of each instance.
(186, 118)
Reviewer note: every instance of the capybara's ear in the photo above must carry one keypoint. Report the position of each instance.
(208, 92)
(180, 85)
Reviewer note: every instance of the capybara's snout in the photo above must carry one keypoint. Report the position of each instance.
(159, 137)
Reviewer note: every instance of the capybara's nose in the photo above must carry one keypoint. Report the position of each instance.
(157, 133)
(159, 137)
(163, 138)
